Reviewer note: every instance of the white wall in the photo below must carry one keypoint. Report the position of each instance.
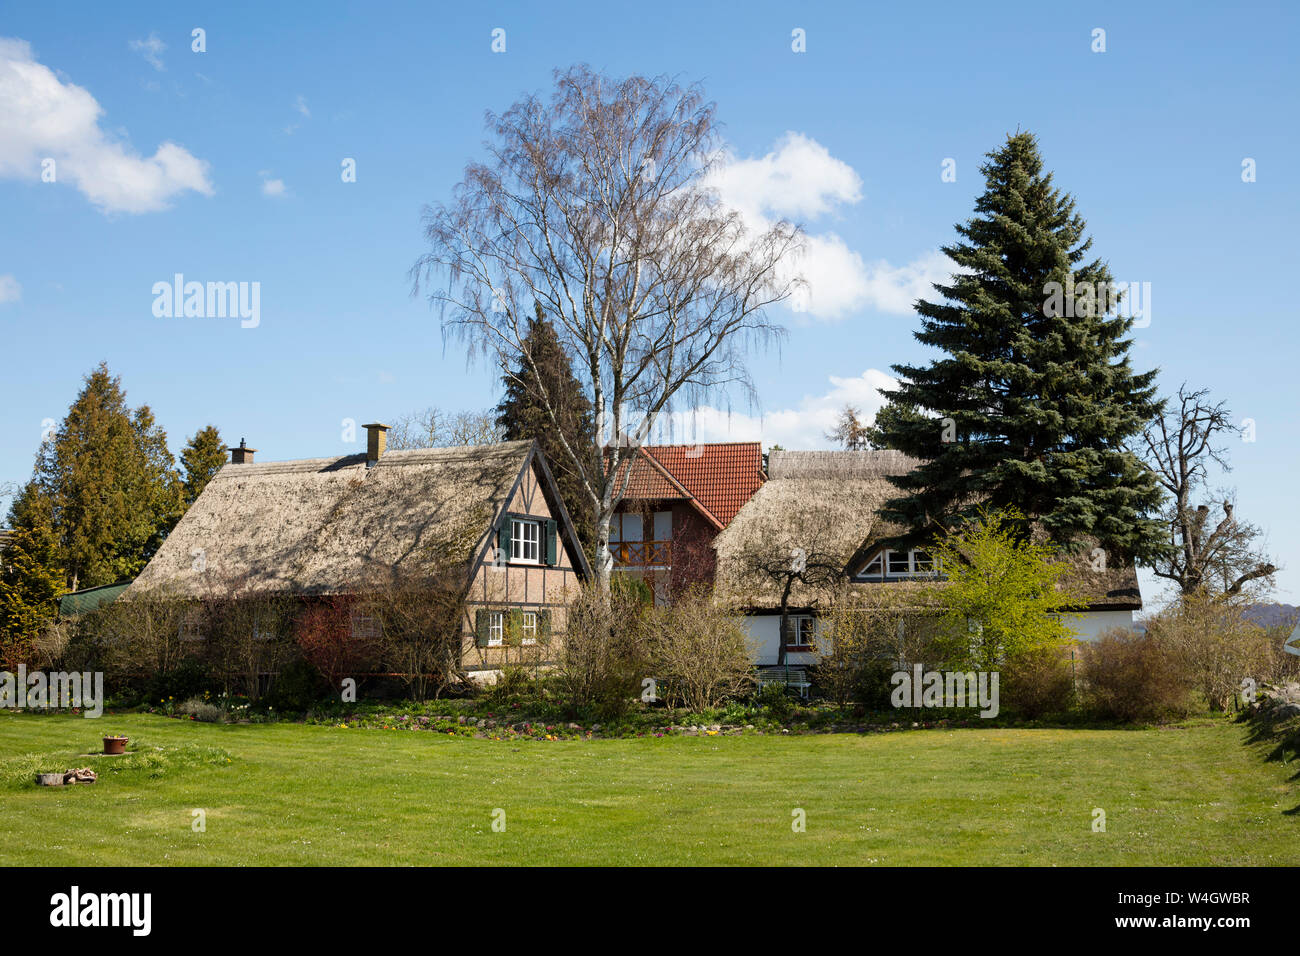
(765, 639)
(1088, 626)
(765, 632)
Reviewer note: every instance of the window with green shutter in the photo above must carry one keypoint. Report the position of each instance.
(482, 622)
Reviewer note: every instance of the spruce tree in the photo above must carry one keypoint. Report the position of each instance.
(202, 457)
(1034, 399)
(522, 414)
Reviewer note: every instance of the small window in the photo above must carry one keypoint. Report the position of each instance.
(873, 569)
(526, 540)
(899, 563)
(923, 562)
(528, 627)
(800, 633)
(496, 628)
(365, 627)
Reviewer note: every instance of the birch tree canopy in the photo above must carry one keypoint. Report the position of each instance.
(595, 203)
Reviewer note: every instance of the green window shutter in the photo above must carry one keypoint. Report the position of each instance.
(482, 621)
(544, 626)
(514, 624)
(503, 539)
(550, 542)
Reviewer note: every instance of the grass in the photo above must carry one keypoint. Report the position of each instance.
(295, 794)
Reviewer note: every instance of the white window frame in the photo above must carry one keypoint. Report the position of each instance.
(881, 567)
(527, 626)
(520, 540)
(496, 628)
(801, 630)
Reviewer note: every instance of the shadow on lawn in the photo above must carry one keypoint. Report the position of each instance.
(1276, 740)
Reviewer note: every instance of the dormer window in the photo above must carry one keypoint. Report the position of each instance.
(893, 565)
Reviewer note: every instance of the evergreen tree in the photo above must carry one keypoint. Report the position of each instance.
(1035, 399)
(111, 485)
(546, 370)
(202, 457)
(30, 579)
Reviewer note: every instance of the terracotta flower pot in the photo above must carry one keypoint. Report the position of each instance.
(115, 745)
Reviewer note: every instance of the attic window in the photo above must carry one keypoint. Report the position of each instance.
(899, 564)
(525, 540)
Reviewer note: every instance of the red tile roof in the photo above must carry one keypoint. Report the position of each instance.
(718, 478)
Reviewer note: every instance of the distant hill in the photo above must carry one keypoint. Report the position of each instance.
(1268, 615)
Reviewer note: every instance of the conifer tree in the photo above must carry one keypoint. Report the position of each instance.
(1034, 399)
(202, 457)
(111, 485)
(30, 579)
(546, 378)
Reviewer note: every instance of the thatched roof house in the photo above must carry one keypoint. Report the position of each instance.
(323, 526)
(821, 508)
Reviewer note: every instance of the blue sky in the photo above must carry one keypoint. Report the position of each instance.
(848, 137)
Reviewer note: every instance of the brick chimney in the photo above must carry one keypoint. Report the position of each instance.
(376, 442)
(243, 455)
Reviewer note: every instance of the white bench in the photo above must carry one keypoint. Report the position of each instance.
(796, 677)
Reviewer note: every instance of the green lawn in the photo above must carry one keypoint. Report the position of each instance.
(289, 794)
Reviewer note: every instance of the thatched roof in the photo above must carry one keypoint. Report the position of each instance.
(838, 464)
(323, 525)
(821, 502)
(828, 501)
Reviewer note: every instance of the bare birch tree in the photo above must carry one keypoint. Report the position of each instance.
(1203, 555)
(597, 205)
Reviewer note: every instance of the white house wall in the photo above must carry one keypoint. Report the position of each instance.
(1089, 626)
(765, 640)
(765, 633)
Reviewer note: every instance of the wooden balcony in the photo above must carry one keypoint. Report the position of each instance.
(642, 554)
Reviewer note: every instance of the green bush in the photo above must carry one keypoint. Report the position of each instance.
(775, 701)
(188, 679)
(297, 687)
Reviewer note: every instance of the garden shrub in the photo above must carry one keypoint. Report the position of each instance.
(1036, 682)
(297, 687)
(698, 651)
(775, 701)
(602, 659)
(203, 710)
(1133, 677)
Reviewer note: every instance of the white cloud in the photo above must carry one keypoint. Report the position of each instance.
(801, 180)
(273, 187)
(804, 426)
(42, 117)
(10, 290)
(300, 105)
(151, 48)
(798, 179)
